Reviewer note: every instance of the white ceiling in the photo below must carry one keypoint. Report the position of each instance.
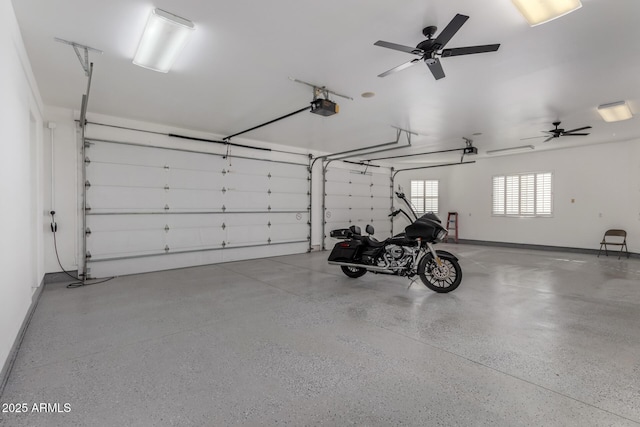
(234, 72)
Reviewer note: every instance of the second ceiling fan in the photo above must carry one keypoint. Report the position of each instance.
(429, 49)
(558, 132)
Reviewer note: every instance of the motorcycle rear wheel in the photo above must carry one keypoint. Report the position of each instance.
(353, 272)
(440, 279)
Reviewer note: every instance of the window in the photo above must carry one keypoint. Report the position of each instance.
(424, 196)
(525, 194)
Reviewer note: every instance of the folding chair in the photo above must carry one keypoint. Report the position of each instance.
(614, 237)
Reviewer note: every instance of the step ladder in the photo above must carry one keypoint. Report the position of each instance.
(452, 226)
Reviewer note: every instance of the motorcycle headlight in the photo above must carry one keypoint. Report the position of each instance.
(441, 235)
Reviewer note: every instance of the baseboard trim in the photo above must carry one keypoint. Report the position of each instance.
(59, 276)
(13, 353)
(543, 247)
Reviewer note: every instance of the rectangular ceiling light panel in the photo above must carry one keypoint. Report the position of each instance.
(163, 39)
(615, 112)
(538, 12)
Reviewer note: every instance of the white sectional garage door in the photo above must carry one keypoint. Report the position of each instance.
(152, 208)
(357, 195)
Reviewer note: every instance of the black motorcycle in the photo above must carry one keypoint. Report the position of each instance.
(408, 254)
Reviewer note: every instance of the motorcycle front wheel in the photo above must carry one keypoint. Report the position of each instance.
(353, 272)
(441, 279)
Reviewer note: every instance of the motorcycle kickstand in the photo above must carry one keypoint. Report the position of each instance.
(411, 282)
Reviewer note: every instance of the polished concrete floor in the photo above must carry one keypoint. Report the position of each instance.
(529, 338)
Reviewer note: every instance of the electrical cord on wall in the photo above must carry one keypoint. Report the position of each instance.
(79, 282)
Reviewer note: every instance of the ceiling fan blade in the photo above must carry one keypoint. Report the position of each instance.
(574, 134)
(436, 69)
(549, 139)
(532, 137)
(470, 50)
(399, 47)
(451, 29)
(399, 67)
(575, 130)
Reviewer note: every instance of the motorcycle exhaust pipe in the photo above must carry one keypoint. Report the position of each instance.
(366, 267)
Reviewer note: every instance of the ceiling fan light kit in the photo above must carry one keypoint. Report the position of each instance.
(164, 37)
(615, 112)
(538, 12)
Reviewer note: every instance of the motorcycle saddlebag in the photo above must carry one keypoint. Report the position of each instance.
(345, 251)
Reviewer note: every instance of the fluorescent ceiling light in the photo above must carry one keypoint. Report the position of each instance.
(164, 37)
(615, 111)
(504, 150)
(538, 12)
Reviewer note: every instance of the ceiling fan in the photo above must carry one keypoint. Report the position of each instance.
(557, 133)
(429, 49)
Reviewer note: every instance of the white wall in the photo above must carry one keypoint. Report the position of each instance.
(603, 180)
(21, 209)
(64, 182)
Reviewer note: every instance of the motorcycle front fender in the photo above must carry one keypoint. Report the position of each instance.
(445, 254)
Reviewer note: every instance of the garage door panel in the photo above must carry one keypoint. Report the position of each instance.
(179, 160)
(383, 203)
(126, 198)
(126, 222)
(194, 179)
(381, 181)
(129, 242)
(285, 232)
(194, 220)
(248, 234)
(337, 188)
(361, 199)
(245, 166)
(287, 201)
(246, 184)
(193, 200)
(126, 154)
(245, 201)
(338, 202)
(287, 171)
(126, 175)
(195, 238)
(381, 192)
(293, 185)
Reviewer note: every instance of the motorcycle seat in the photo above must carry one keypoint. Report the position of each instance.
(371, 241)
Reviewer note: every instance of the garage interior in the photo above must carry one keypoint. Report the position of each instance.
(166, 234)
